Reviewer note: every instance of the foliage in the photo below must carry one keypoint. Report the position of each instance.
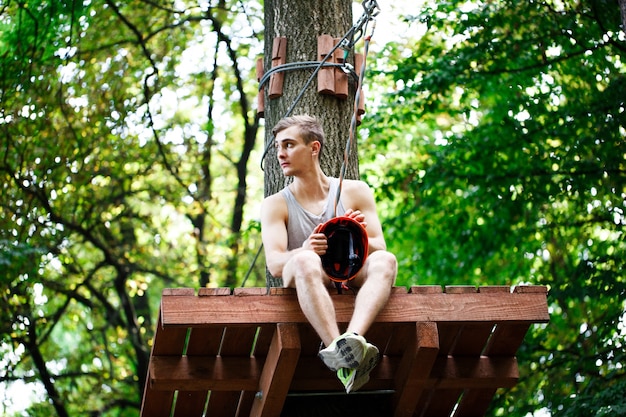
(514, 116)
(127, 128)
(496, 145)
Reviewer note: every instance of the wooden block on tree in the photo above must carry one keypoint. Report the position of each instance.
(325, 76)
(341, 78)
(279, 57)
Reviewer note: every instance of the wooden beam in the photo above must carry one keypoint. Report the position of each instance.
(170, 341)
(243, 374)
(203, 373)
(451, 308)
(278, 371)
(415, 368)
(483, 372)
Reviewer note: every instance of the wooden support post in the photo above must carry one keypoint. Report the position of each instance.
(261, 95)
(278, 371)
(167, 342)
(325, 76)
(341, 78)
(279, 57)
(415, 367)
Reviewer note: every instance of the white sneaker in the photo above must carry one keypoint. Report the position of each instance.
(368, 363)
(346, 351)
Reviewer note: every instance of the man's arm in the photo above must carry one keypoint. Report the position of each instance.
(359, 197)
(274, 234)
(275, 239)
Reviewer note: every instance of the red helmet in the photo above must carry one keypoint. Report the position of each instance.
(347, 248)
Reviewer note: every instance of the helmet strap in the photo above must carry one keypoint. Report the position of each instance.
(341, 285)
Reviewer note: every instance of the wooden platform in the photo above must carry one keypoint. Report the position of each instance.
(445, 351)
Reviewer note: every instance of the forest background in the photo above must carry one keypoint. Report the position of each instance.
(130, 161)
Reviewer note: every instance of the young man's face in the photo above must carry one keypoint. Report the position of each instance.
(293, 154)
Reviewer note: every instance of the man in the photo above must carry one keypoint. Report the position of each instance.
(291, 221)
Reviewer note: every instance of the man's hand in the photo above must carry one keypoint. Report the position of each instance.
(357, 216)
(317, 241)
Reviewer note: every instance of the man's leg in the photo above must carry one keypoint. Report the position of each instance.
(376, 280)
(304, 273)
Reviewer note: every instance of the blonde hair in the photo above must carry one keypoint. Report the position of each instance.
(308, 126)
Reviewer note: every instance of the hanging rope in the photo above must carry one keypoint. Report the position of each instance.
(347, 42)
(352, 133)
(343, 285)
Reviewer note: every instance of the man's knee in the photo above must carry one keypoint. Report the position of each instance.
(385, 263)
(303, 266)
(382, 257)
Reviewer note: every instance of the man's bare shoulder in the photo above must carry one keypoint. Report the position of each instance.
(356, 194)
(274, 205)
(356, 186)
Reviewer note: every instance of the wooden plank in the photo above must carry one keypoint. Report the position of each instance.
(474, 403)
(237, 344)
(426, 289)
(258, 309)
(278, 371)
(190, 403)
(243, 292)
(202, 341)
(381, 334)
(459, 379)
(312, 375)
(212, 292)
(506, 339)
(219, 404)
(531, 289)
(441, 402)
(494, 289)
(460, 289)
(245, 404)
(243, 374)
(310, 342)
(448, 333)
(415, 367)
(264, 337)
(447, 373)
(167, 341)
(224, 403)
(390, 338)
(483, 372)
(471, 339)
(203, 373)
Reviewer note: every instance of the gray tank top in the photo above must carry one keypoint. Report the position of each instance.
(302, 222)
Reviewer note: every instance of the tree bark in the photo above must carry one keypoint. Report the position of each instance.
(622, 7)
(301, 23)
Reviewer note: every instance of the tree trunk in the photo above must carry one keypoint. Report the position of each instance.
(622, 6)
(301, 23)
